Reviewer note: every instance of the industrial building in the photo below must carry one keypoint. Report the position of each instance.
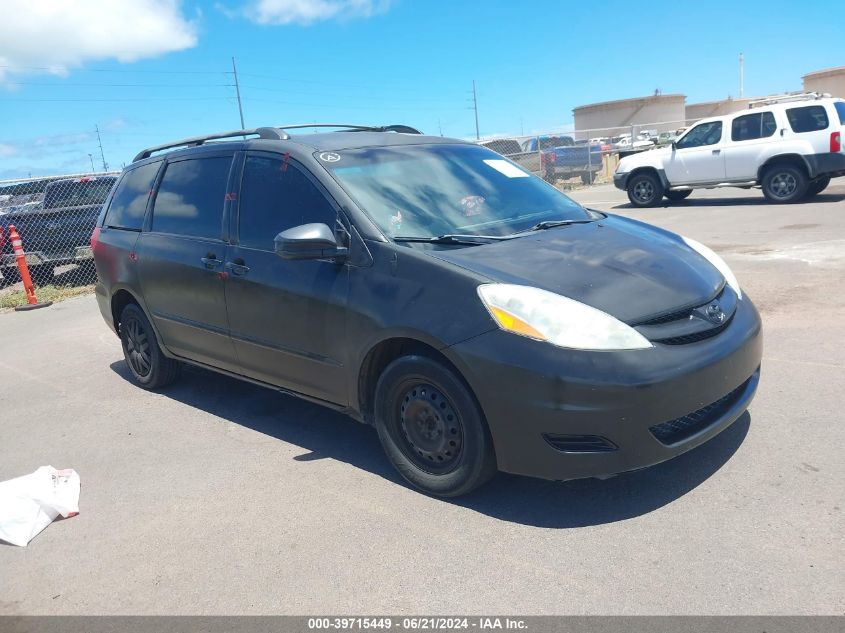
(831, 80)
(695, 111)
(614, 117)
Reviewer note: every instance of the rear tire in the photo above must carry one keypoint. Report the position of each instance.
(588, 178)
(815, 187)
(645, 190)
(676, 196)
(148, 365)
(784, 184)
(431, 428)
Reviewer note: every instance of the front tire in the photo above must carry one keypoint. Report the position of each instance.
(784, 184)
(148, 365)
(676, 196)
(431, 428)
(817, 186)
(645, 190)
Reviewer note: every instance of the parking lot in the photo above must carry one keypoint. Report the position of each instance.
(219, 497)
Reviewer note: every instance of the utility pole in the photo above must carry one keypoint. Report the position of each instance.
(100, 143)
(741, 76)
(475, 107)
(238, 93)
(439, 127)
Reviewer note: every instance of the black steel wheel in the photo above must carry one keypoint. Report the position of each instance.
(150, 368)
(431, 427)
(784, 183)
(430, 431)
(645, 190)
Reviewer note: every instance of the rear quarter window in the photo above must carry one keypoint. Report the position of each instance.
(129, 202)
(807, 119)
(840, 110)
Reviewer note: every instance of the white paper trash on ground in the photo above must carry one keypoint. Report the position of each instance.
(30, 503)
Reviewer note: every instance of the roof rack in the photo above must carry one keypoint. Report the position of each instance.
(272, 133)
(793, 96)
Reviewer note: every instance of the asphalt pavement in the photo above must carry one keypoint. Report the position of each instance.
(219, 497)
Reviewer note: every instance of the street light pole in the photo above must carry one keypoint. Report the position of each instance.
(91, 158)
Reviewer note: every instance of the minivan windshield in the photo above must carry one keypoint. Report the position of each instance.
(431, 190)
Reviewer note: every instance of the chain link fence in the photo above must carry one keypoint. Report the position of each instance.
(584, 157)
(54, 218)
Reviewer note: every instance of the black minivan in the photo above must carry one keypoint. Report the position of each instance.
(480, 319)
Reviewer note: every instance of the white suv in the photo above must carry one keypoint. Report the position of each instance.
(791, 146)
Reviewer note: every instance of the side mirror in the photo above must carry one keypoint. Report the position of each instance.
(308, 241)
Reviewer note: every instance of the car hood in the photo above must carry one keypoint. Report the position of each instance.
(652, 157)
(625, 268)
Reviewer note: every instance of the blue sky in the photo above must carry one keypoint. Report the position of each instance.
(148, 71)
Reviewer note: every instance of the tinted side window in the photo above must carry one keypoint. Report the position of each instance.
(751, 126)
(129, 201)
(840, 110)
(807, 119)
(276, 196)
(191, 196)
(702, 134)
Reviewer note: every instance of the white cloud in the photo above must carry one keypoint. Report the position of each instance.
(308, 11)
(62, 34)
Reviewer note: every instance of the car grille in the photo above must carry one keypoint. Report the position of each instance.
(692, 338)
(683, 428)
(580, 443)
(669, 317)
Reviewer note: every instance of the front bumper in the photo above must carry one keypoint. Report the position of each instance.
(620, 181)
(533, 394)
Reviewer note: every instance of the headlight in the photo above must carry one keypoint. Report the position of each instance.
(717, 262)
(546, 316)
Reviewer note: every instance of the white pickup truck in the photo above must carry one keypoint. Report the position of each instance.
(790, 146)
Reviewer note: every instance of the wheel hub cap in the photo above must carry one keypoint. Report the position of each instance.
(430, 428)
(783, 185)
(138, 348)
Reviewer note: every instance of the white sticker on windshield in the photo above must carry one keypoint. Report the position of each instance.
(508, 169)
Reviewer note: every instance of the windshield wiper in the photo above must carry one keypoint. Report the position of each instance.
(550, 224)
(453, 238)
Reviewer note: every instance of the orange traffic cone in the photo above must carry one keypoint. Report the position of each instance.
(17, 245)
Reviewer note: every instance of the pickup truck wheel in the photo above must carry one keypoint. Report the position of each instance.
(817, 186)
(588, 178)
(549, 177)
(150, 368)
(677, 195)
(645, 190)
(431, 427)
(42, 274)
(784, 184)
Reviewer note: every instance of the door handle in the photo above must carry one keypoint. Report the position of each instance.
(211, 261)
(237, 267)
(717, 151)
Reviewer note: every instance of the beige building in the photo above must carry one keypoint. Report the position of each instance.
(615, 117)
(695, 111)
(831, 80)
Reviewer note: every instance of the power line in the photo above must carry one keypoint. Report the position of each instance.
(122, 70)
(113, 85)
(145, 99)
